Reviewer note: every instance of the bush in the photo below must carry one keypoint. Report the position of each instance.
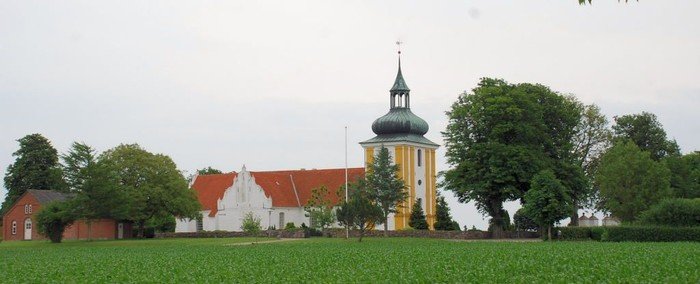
(652, 234)
(53, 218)
(573, 233)
(290, 226)
(673, 212)
(251, 224)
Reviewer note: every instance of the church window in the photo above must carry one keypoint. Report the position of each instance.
(281, 223)
(14, 227)
(420, 158)
(200, 226)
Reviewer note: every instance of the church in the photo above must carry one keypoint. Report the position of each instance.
(279, 197)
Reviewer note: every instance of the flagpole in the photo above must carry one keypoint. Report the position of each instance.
(347, 228)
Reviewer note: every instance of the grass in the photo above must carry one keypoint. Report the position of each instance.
(337, 260)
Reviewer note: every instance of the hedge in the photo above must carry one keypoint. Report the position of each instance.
(673, 212)
(573, 233)
(651, 234)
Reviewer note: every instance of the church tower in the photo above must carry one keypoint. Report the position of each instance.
(401, 132)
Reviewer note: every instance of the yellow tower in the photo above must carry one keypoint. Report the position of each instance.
(401, 132)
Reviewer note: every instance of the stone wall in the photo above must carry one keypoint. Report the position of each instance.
(225, 234)
(340, 233)
(457, 235)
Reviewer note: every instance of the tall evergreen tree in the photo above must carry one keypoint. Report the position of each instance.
(444, 221)
(75, 164)
(35, 167)
(417, 220)
(387, 190)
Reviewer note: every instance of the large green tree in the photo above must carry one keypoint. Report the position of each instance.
(95, 185)
(591, 139)
(152, 183)
(631, 181)
(547, 201)
(386, 189)
(53, 218)
(35, 167)
(500, 135)
(359, 211)
(647, 132)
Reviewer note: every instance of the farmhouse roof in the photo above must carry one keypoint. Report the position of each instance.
(287, 188)
(46, 196)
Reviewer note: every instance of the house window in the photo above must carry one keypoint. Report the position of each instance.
(26, 208)
(281, 220)
(28, 224)
(420, 157)
(14, 227)
(30, 209)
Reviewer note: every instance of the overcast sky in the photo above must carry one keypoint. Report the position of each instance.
(272, 84)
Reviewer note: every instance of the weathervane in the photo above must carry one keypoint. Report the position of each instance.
(398, 45)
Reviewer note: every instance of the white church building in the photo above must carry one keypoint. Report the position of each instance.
(275, 197)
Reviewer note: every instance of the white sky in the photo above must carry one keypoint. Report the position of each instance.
(272, 84)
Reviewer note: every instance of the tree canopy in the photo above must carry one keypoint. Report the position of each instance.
(647, 133)
(547, 201)
(631, 181)
(36, 167)
(685, 175)
(359, 211)
(386, 189)
(152, 183)
(500, 135)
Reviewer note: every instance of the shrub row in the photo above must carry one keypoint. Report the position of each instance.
(652, 234)
(673, 212)
(630, 234)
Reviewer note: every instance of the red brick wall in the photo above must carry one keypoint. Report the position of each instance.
(16, 213)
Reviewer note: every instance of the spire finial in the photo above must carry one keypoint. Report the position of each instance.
(399, 83)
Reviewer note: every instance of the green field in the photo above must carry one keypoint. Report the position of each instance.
(338, 260)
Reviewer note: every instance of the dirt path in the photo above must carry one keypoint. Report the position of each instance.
(263, 242)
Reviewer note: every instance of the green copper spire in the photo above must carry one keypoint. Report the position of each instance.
(399, 84)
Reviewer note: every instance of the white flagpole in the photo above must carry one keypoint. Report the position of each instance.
(347, 228)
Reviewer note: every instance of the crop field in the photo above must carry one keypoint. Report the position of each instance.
(374, 260)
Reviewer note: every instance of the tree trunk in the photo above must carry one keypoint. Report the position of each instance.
(362, 232)
(496, 221)
(386, 225)
(574, 215)
(549, 233)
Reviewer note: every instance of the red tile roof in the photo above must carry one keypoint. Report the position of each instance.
(280, 185)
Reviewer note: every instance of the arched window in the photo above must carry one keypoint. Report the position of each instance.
(14, 227)
(26, 208)
(30, 209)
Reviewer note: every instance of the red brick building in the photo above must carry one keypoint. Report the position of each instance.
(19, 223)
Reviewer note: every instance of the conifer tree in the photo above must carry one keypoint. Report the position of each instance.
(386, 189)
(417, 220)
(444, 221)
(36, 167)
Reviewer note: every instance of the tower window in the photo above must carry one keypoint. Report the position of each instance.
(420, 158)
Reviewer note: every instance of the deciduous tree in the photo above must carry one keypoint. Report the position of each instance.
(319, 208)
(359, 211)
(647, 133)
(547, 201)
(500, 135)
(152, 183)
(53, 218)
(630, 181)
